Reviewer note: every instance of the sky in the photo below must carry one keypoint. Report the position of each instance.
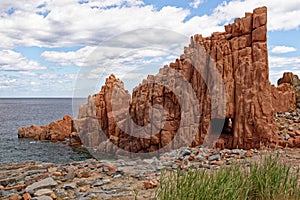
(50, 48)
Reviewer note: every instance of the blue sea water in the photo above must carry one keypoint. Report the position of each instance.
(25, 112)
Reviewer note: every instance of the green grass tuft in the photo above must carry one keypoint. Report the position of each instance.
(269, 180)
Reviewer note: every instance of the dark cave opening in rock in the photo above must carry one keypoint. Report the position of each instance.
(223, 128)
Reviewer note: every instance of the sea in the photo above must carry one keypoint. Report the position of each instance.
(18, 112)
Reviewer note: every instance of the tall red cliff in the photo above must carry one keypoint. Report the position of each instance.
(219, 87)
(241, 56)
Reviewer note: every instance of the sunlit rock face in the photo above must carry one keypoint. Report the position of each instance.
(241, 57)
(217, 93)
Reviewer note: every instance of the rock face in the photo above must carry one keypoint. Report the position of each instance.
(55, 131)
(218, 87)
(283, 98)
(241, 57)
(293, 80)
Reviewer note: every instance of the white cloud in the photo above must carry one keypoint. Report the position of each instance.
(68, 23)
(107, 3)
(129, 64)
(14, 61)
(282, 15)
(56, 79)
(127, 49)
(283, 49)
(102, 56)
(12, 83)
(29, 86)
(120, 72)
(78, 58)
(6, 82)
(196, 3)
(287, 62)
(33, 83)
(27, 73)
(48, 76)
(279, 65)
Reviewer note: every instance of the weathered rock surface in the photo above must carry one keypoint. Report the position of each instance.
(182, 105)
(294, 81)
(241, 57)
(42, 198)
(43, 192)
(42, 184)
(55, 131)
(283, 98)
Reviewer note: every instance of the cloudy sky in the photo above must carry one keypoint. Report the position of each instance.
(48, 45)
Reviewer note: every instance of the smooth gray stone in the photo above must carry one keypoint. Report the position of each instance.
(45, 183)
(42, 198)
(214, 157)
(43, 192)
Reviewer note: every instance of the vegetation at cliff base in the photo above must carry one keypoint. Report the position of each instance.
(268, 180)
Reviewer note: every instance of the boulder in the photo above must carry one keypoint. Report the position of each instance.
(42, 184)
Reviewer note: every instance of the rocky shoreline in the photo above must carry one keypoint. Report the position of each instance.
(124, 178)
(117, 179)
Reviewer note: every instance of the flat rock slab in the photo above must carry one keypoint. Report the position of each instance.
(42, 198)
(43, 192)
(45, 183)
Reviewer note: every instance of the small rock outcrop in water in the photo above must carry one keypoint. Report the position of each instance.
(241, 57)
(55, 131)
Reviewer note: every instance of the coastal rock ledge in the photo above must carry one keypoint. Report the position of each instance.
(241, 56)
(56, 131)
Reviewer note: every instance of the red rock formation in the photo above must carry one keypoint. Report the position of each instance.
(283, 98)
(294, 81)
(241, 58)
(55, 131)
(185, 104)
(241, 53)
